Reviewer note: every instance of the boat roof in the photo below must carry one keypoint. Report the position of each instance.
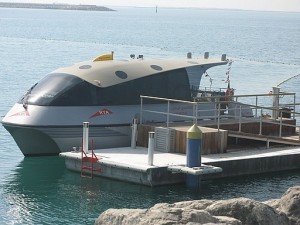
(111, 72)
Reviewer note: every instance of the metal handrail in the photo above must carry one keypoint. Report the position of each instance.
(217, 115)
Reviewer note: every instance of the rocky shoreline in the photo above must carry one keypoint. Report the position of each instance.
(238, 211)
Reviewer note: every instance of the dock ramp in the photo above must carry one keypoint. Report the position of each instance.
(290, 140)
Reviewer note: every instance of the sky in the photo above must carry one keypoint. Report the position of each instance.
(263, 5)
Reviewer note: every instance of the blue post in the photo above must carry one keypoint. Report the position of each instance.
(193, 154)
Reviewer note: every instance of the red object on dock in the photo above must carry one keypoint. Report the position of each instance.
(87, 162)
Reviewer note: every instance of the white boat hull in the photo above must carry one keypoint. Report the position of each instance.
(44, 130)
(37, 141)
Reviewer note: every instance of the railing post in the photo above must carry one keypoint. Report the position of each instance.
(294, 106)
(134, 133)
(141, 112)
(85, 138)
(193, 113)
(150, 148)
(240, 119)
(276, 91)
(256, 101)
(196, 113)
(168, 114)
(298, 132)
(280, 126)
(219, 117)
(216, 112)
(260, 122)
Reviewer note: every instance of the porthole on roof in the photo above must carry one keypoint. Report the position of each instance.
(156, 67)
(84, 67)
(121, 74)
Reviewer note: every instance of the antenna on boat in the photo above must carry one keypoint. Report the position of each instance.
(227, 73)
(210, 80)
(230, 91)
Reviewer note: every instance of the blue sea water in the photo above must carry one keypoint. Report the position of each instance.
(265, 48)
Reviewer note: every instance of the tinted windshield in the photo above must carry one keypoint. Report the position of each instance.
(69, 90)
(50, 88)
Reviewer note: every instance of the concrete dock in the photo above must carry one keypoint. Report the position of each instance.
(217, 142)
(130, 165)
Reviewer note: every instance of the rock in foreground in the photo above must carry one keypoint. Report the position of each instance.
(238, 211)
(289, 204)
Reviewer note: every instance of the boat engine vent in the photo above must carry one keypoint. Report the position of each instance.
(164, 139)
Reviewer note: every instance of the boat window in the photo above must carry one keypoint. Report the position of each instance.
(69, 90)
(171, 84)
(50, 88)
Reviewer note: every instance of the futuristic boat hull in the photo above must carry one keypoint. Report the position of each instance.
(106, 93)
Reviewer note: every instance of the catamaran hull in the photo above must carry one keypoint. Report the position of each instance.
(38, 141)
(44, 130)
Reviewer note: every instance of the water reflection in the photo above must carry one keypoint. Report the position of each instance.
(41, 190)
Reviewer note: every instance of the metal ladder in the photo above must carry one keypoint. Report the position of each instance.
(88, 161)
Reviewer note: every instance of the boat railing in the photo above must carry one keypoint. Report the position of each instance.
(265, 117)
(218, 113)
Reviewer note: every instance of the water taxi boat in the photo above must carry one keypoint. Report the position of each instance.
(106, 93)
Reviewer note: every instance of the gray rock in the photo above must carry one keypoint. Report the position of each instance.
(290, 204)
(121, 216)
(164, 214)
(195, 204)
(239, 211)
(248, 212)
(274, 203)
